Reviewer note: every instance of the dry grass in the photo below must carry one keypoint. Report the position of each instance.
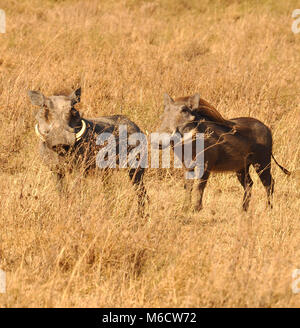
(92, 249)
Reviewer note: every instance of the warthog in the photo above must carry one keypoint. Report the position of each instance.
(69, 140)
(229, 145)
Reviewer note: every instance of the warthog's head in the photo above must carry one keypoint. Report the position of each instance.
(177, 114)
(59, 123)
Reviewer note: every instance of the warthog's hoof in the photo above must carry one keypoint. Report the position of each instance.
(198, 208)
(185, 208)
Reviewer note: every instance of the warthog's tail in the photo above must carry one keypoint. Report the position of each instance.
(282, 168)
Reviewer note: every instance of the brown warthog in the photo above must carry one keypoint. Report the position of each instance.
(229, 145)
(69, 140)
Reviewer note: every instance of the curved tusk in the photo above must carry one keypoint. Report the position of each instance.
(37, 131)
(79, 134)
(173, 133)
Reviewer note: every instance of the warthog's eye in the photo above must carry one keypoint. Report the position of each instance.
(185, 110)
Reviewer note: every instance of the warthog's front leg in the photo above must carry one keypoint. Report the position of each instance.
(188, 186)
(247, 183)
(201, 186)
(136, 176)
(59, 181)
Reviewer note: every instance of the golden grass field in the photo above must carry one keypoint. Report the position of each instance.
(91, 249)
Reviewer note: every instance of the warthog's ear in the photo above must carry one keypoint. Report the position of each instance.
(167, 100)
(194, 101)
(75, 96)
(37, 98)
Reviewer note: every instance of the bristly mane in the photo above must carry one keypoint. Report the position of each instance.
(209, 112)
(205, 109)
(62, 92)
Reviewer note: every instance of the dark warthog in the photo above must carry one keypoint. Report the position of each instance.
(229, 145)
(69, 141)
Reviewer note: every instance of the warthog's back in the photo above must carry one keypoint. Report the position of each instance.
(257, 131)
(227, 148)
(106, 122)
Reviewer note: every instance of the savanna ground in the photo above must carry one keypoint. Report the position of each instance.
(91, 249)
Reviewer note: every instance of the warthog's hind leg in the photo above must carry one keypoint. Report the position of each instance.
(188, 186)
(247, 183)
(264, 173)
(136, 176)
